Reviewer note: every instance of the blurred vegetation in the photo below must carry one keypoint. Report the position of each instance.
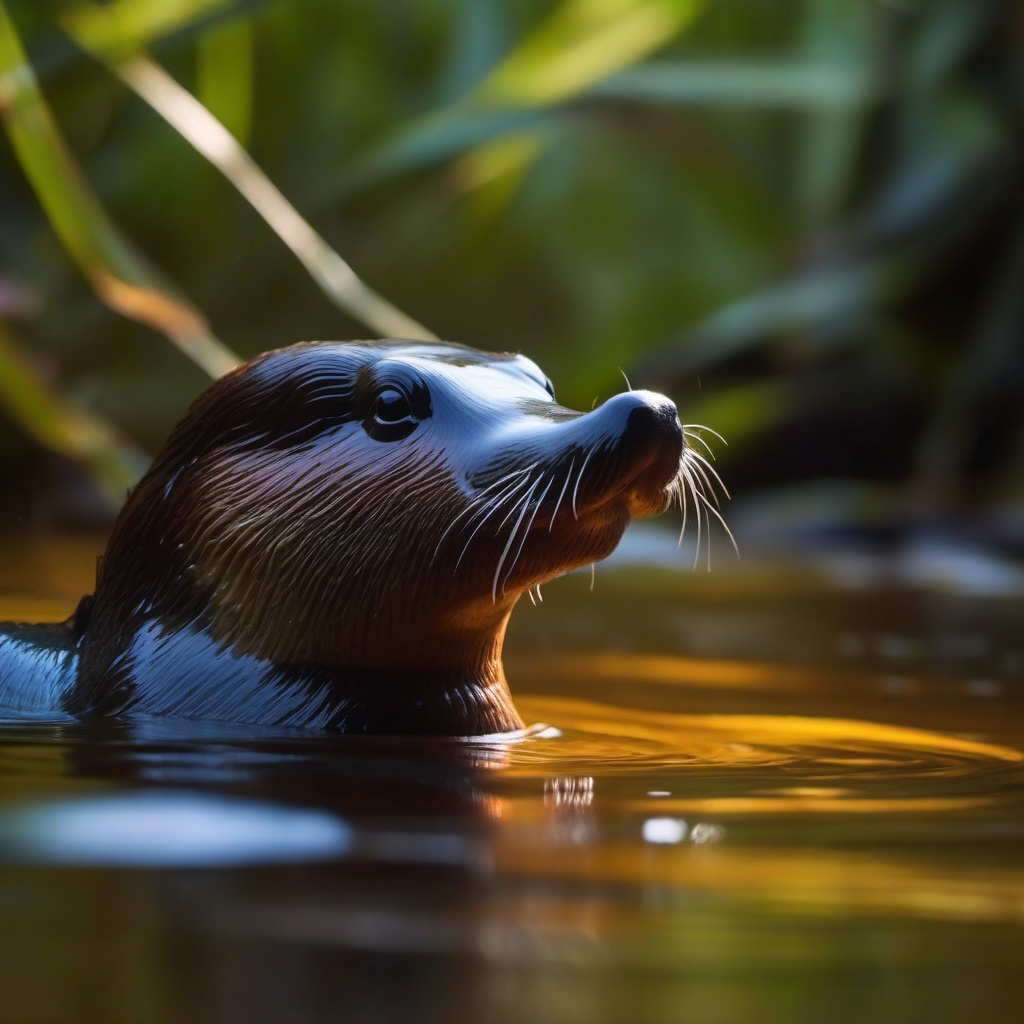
(805, 220)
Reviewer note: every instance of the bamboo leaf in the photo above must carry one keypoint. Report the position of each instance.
(439, 137)
(580, 43)
(208, 136)
(845, 34)
(573, 50)
(121, 276)
(125, 27)
(748, 82)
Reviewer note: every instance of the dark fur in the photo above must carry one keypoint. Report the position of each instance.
(299, 555)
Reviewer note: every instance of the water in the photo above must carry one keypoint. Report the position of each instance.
(746, 797)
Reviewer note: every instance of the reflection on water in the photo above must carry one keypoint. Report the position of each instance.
(813, 813)
(168, 830)
(601, 736)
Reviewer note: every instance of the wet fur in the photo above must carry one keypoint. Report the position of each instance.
(278, 566)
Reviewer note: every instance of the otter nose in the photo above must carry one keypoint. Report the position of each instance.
(645, 417)
(649, 433)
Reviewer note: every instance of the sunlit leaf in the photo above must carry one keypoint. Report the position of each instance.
(124, 27)
(209, 137)
(578, 45)
(499, 169)
(120, 274)
(582, 42)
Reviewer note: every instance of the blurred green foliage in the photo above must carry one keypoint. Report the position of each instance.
(803, 219)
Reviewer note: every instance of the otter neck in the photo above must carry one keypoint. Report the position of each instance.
(424, 687)
(396, 702)
(178, 662)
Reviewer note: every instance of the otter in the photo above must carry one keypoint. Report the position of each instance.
(334, 537)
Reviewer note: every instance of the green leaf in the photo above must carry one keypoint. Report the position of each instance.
(125, 27)
(63, 426)
(814, 300)
(582, 42)
(745, 82)
(224, 75)
(121, 276)
(436, 138)
(847, 35)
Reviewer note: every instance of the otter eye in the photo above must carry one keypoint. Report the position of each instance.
(395, 413)
(391, 407)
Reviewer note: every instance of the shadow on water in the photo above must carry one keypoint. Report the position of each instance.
(810, 817)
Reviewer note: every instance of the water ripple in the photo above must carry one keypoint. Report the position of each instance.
(774, 762)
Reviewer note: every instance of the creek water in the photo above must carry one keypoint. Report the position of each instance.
(749, 796)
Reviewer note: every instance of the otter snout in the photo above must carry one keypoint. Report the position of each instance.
(648, 448)
(651, 432)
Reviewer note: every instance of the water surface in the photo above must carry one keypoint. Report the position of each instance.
(752, 796)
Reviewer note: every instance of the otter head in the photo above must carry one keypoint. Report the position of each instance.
(379, 508)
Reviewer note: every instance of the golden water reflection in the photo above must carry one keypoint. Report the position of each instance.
(596, 735)
(817, 815)
(708, 831)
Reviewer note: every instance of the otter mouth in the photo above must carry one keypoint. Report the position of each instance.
(646, 488)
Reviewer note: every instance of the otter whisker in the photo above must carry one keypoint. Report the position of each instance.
(475, 505)
(518, 501)
(696, 508)
(512, 482)
(511, 538)
(485, 511)
(710, 470)
(677, 490)
(493, 506)
(689, 427)
(725, 526)
(508, 476)
(526, 532)
(558, 504)
(697, 483)
(706, 485)
(579, 480)
(691, 436)
(708, 509)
